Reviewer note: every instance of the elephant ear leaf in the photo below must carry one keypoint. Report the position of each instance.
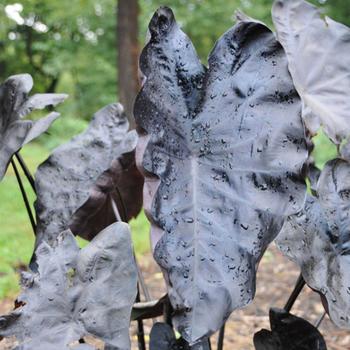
(318, 240)
(222, 151)
(64, 301)
(318, 54)
(77, 183)
(288, 332)
(16, 104)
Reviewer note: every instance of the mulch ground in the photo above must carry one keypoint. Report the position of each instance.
(276, 278)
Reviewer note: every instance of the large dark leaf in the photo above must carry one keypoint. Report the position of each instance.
(318, 240)
(16, 104)
(289, 332)
(77, 292)
(222, 150)
(76, 184)
(319, 62)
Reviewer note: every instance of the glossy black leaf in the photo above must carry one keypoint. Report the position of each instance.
(222, 150)
(318, 240)
(289, 332)
(77, 292)
(163, 337)
(15, 104)
(76, 184)
(318, 55)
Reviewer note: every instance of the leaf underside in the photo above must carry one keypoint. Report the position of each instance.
(318, 55)
(76, 184)
(318, 240)
(289, 332)
(77, 293)
(222, 150)
(16, 104)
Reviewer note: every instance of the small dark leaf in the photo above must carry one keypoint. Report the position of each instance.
(76, 293)
(16, 104)
(318, 54)
(318, 240)
(76, 184)
(162, 337)
(222, 150)
(289, 332)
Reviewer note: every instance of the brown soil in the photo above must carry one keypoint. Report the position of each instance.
(276, 278)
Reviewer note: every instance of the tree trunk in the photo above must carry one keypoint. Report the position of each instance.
(128, 52)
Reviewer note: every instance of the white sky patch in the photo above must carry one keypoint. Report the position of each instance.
(12, 36)
(40, 27)
(14, 12)
(91, 37)
(98, 10)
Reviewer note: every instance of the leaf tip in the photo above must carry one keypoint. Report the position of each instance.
(21, 82)
(162, 21)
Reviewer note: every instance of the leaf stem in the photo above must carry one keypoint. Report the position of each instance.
(299, 285)
(115, 210)
(140, 331)
(319, 321)
(124, 211)
(24, 196)
(221, 337)
(142, 283)
(26, 170)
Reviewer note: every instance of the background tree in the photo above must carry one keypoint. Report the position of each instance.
(128, 53)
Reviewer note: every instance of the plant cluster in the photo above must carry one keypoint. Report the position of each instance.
(222, 154)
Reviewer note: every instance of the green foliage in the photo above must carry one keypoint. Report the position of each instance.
(324, 149)
(66, 46)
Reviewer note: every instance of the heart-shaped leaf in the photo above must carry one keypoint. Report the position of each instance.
(289, 332)
(318, 240)
(16, 104)
(77, 292)
(318, 54)
(222, 150)
(76, 184)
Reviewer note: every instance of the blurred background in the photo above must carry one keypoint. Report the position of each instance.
(89, 49)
